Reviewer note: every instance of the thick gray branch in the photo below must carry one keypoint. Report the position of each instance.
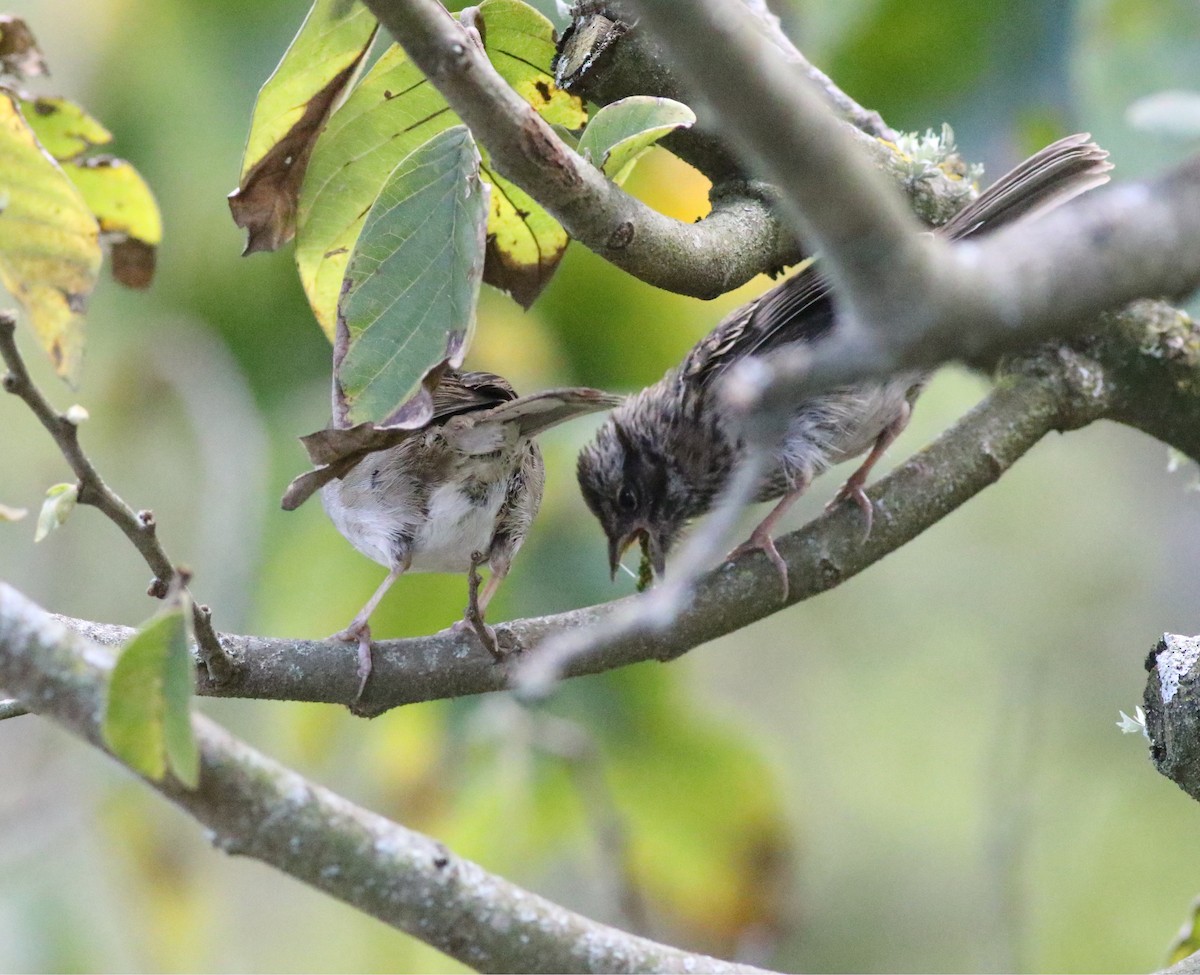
(256, 807)
(1032, 282)
(739, 239)
(778, 120)
(1057, 395)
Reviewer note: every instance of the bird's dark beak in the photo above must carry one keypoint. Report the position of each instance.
(652, 548)
(617, 547)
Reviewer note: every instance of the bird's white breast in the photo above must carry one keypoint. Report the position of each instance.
(456, 527)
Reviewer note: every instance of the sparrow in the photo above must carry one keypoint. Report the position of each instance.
(662, 458)
(455, 494)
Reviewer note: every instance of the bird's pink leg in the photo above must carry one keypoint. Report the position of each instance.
(761, 539)
(359, 631)
(852, 490)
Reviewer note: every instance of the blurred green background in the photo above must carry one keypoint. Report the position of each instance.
(916, 772)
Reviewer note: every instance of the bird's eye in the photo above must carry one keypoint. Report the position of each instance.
(627, 499)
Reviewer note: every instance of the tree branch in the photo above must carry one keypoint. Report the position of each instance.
(256, 807)
(1057, 392)
(606, 60)
(11, 708)
(978, 299)
(741, 236)
(738, 240)
(1114, 245)
(139, 527)
(777, 120)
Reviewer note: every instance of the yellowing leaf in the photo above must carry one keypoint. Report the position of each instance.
(520, 43)
(128, 214)
(622, 131)
(63, 128)
(413, 280)
(49, 241)
(292, 107)
(525, 243)
(147, 718)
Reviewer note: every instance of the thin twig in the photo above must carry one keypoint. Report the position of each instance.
(252, 806)
(649, 612)
(138, 526)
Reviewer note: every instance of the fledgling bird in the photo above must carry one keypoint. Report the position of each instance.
(450, 496)
(662, 458)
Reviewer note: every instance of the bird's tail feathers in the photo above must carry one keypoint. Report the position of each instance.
(1047, 179)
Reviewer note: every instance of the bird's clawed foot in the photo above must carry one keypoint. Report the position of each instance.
(359, 631)
(760, 540)
(485, 633)
(852, 490)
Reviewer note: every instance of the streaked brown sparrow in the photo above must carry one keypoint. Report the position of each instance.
(661, 459)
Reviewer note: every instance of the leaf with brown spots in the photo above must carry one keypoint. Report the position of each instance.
(128, 214)
(49, 241)
(292, 108)
(525, 243)
(63, 128)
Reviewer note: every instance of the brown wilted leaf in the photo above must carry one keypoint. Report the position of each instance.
(20, 55)
(133, 262)
(264, 205)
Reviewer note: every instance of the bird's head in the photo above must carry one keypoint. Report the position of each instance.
(631, 480)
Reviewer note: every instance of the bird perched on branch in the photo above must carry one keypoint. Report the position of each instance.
(662, 458)
(450, 496)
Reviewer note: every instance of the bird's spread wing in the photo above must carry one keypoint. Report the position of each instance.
(473, 409)
(540, 411)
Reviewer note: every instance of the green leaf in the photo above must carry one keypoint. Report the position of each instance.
(391, 112)
(63, 128)
(413, 279)
(49, 241)
(147, 718)
(322, 61)
(621, 132)
(56, 509)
